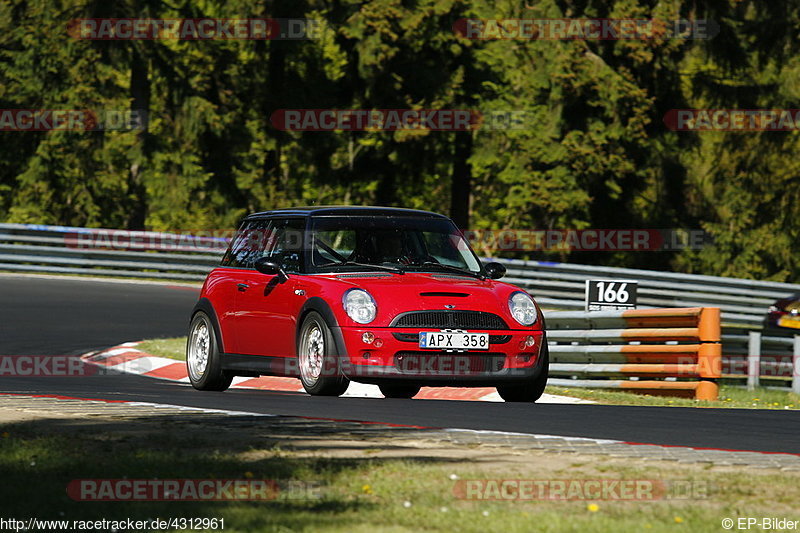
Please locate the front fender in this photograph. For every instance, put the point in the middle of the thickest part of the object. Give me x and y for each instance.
(204, 305)
(319, 305)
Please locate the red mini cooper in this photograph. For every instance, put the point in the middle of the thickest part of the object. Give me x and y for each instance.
(393, 297)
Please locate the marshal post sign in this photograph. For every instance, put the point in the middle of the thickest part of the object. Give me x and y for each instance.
(610, 295)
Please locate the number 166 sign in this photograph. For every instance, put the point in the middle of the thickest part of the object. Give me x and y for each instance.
(609, 295)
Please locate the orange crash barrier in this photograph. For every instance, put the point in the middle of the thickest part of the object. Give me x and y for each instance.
(675, 352)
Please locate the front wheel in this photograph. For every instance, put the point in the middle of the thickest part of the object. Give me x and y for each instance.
(203, 360)
(533, 389)
(399, 391)
(318, 359)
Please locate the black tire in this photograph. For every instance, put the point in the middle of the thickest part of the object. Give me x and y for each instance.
(399, 390)
(329, 381)
(208, 376)
(533, 389)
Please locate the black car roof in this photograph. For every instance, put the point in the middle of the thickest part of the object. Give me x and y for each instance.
(347, 210)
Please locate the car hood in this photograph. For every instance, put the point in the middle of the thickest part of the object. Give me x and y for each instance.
(395, 294)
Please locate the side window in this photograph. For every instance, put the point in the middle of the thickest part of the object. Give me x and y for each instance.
(248, 244)
(288, 242)
(234, 248)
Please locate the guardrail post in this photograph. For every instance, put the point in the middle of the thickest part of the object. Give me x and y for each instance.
(709, 354)
(796, 365)
(753, 360)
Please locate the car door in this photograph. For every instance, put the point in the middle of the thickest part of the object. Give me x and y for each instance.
(267, 305)
(224, 282)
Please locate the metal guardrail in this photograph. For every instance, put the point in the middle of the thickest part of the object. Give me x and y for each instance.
(658, 351)
(562, 286)
(558, 286)
(761, 359)
(73, 250)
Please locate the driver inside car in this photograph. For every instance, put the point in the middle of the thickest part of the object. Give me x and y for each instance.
(387, 247)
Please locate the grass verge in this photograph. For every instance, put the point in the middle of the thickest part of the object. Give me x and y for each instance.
(360, 490)
(729, 396)
(173, 348)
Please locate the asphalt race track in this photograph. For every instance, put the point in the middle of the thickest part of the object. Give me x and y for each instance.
(51, 316)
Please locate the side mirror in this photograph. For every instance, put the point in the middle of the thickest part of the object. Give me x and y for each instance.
(495, 270)
(270, 268)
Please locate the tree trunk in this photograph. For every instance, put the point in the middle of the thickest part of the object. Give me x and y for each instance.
(461, 183)
(140, 103)
(276, 97)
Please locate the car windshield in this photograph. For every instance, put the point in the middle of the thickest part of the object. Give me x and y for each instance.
(406, 244)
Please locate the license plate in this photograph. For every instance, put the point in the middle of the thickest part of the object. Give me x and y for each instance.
(789, 322)
(454, 341)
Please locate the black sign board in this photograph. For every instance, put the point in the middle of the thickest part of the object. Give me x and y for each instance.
(610, 295)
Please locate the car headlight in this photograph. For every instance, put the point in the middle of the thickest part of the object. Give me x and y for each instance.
(359, 305)
(522, 308)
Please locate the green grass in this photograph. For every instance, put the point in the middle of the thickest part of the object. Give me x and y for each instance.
(361, 493)
(174, 348)
(730, 396)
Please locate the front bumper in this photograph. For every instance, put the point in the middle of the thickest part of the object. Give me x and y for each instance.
(394, 354)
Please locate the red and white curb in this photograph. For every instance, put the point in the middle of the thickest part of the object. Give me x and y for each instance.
(127, 359)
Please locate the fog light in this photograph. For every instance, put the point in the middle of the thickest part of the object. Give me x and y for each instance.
(530, 341)
(367, 337)
(366, 355)
(378, 343)
(522, 345)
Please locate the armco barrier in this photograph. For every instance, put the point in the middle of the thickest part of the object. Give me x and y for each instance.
(654, 351)
(98, 252)
(762, 359)
(562, 286)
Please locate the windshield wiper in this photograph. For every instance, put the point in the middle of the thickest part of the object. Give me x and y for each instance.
(450, 268)
(368, 265)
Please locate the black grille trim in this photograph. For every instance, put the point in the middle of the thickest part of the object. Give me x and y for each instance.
(448, 320)
(446, 363)
(414, 337)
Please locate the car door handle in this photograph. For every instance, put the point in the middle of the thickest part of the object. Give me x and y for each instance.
(242, 286)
